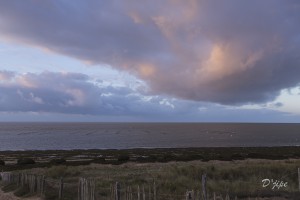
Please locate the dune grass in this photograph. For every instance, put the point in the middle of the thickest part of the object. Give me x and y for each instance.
(236, 178)
(234, 171)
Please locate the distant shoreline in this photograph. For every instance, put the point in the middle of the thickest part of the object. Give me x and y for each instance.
(44, 158)
(148, 148)
(157, 148)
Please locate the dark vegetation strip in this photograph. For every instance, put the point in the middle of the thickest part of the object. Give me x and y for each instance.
(48, 158)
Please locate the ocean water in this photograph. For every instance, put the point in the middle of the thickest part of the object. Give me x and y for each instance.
(45, 136)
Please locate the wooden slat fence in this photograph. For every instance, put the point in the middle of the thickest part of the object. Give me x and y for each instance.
(34, 182)
(87, 188)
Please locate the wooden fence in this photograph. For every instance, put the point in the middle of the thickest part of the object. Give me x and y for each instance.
(35, 183)
(87, 188)
(130, 193)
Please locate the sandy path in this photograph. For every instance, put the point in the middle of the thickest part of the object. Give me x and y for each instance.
(11, 196)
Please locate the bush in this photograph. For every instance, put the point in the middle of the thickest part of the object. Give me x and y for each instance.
(99, 160)
(123, 158)
(145, 159)
(25, 161)
(237, 156)
(62, 171)
(224, 158)
(189, 157)
(165, 158)
(58, 161)
(57, 171)
(2, 162)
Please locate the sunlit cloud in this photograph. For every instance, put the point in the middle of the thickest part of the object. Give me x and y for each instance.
(210, 51)
(153, 60)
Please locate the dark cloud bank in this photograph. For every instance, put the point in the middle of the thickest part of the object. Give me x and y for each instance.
(230, 52)
(76, 94)
(72, 93)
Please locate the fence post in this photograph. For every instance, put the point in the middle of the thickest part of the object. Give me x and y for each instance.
(197, 197)
(35, 187)
(43, 186)
(93, 189)
(149, 192)
(227, 197)
(84, 188)
(78, 189)
(144, 195)
(61, 187)
(38, 184)
(299, 177)
(154, 191)
(204, 186)
(19, 179)
(138, 192)
(111, 192)
(31, 183)
(189, 195)
(128, 193)
(117, 191)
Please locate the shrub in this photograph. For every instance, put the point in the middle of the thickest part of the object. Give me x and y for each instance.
(189, 157)
(166, 158)
(123, 158)
(224, 158)
(57, 171)
(150, 158)
(62, 171)
(58, 161)
(237, 156)
(254, 155)
(2, 162)
(25, 161)
(99, 160)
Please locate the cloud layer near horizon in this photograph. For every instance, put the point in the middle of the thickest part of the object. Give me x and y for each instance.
(67, 96)
(230, 52)
(72, 93)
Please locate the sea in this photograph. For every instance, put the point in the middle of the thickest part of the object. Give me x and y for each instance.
(68, 136)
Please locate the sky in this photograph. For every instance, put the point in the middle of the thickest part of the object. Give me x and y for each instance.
(150, 61)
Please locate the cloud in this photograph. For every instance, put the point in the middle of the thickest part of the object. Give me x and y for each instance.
(5, 75)
(76, 93)
(58, 96)
(231, 52)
